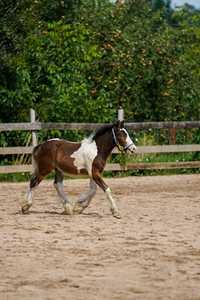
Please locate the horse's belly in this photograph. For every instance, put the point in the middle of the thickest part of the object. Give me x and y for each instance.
(67, 166)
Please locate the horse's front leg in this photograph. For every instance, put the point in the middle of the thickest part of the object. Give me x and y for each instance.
(85, 198)
(98, 179)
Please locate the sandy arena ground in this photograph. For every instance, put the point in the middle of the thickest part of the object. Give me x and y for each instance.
(152, 253)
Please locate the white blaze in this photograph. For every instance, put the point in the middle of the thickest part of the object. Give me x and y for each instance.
(128, 140)
(85, 155)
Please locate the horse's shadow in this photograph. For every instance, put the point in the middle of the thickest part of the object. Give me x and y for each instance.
(56, 213)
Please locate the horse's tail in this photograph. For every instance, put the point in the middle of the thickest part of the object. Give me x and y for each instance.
(36, 177)
(34, 159)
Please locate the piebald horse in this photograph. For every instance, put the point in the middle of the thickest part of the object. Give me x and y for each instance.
(87, 158)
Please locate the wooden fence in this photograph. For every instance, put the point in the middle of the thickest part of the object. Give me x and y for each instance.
(34, 126)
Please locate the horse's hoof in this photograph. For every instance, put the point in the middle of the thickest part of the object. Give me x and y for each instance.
(78, 208)
(115, 213)
(25, 208)
(68, 210)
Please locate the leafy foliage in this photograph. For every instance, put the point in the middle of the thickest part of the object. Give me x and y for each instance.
(78, 60)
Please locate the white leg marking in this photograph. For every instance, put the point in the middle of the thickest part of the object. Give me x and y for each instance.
(26, 204)
(29, 196)
(113, 205)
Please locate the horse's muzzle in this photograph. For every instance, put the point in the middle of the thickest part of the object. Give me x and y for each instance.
(130, 149)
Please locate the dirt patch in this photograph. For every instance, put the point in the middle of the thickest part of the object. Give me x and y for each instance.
(152, 253)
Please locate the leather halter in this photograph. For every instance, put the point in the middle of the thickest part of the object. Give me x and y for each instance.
(120, 147)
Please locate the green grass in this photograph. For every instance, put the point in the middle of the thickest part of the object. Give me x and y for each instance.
(151, 158)
(155, 158)
(15, 177)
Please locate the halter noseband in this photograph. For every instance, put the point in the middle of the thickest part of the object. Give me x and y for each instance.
(120, 147)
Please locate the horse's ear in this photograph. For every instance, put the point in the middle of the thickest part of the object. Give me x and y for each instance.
(117, 124)
(120, 124)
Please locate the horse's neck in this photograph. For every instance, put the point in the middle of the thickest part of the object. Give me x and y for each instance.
(105, 144)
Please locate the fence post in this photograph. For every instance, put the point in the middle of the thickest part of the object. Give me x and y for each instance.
(120, 117)
(120, 114)
(172, 136)
(33, 133)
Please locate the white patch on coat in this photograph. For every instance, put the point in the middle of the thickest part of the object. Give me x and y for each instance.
(85, 155)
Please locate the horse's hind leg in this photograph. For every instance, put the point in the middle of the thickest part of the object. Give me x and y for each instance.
(58, 184)
(85, 198)
(34, 181)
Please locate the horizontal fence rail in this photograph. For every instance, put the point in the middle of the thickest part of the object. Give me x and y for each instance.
(116, 167)
(35, 126)
(16, 169)
(15, 150)
(140, 149)
(154, 166)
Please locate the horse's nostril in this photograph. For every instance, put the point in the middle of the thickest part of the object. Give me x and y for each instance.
(133, 149)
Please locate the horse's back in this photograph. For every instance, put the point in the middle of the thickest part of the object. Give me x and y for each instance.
(50, 147)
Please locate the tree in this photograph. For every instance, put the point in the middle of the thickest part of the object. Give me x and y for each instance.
(77, 60)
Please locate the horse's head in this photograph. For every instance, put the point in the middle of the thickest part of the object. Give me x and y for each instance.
(122, 138)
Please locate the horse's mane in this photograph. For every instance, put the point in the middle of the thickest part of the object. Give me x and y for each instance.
(101, 131)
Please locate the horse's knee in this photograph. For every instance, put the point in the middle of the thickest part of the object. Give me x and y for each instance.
(99, 181)
(55, 184)
(35, 180)
(58, 185)
(58, 177)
